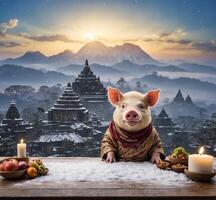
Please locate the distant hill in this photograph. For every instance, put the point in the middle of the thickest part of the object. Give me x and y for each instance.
(65, 57)
(30, 57)
(184, 106)
(13, 74)
(106, 73)
(193, 67)
(126, 69)
(198, 89)
(140, 70)
(95, 52)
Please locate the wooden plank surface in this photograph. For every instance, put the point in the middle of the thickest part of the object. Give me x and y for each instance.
(106, 190)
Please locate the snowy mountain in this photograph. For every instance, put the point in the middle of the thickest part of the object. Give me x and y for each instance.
(95, 52)
(65, 57)
(30, 57)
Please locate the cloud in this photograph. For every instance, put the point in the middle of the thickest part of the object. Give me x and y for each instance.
(5, 26)
(176, 38)
(205, 46)
(9, 44)
(47, 38)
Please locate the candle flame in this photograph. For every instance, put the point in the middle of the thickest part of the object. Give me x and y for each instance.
(21, 141)
(201, 150)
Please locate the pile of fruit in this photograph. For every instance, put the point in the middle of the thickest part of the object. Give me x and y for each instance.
(179, 166)
(33, 169)
(177, 161)
(179, 152)
(165, 165)
(36, 168)
(13, 165)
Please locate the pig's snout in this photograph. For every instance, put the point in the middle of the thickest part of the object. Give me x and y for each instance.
(132, 116)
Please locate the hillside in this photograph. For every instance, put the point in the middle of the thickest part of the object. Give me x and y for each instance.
(13, 74)
(201, 90)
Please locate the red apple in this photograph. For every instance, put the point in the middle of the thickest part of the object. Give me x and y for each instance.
(1, 167)
(11, 166)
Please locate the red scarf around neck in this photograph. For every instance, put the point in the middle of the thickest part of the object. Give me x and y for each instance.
(129, 139)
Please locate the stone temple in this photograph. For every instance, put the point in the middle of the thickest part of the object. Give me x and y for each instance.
(68, 109)
(12, 129)
(89, 87)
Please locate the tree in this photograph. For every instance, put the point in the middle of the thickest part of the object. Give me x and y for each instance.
(19, 91)
(121, 82)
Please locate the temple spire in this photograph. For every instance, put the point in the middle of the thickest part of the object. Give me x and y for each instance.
(87, 83)
(188, 99)
(12, 112)
(179, 97)
(86, 63)
(69, 84)
(163, 114)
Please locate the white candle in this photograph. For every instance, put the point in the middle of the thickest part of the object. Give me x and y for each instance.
(200, 163)
(21, 149)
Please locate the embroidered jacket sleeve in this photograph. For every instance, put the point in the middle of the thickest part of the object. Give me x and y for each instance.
(107, 145)
(156, 145)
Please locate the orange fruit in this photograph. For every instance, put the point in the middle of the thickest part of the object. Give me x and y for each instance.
(32, 172)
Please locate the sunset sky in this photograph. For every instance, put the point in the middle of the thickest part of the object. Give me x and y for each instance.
(166, 29)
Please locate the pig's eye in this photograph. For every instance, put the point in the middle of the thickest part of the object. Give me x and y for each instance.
(123, 106)
(141, 106)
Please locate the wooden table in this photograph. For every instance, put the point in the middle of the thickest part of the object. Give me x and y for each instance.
(106, 190)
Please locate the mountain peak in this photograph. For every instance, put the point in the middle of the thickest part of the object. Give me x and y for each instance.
(64, 53)
(127, 44)
(95, 52)
(92, 50)
(33, 53)
(93, 45)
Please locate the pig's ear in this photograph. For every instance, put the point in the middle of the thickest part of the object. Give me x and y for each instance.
(114, 96)
(152, 97)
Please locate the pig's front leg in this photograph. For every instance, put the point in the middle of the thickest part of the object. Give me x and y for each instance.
(156, 158)
(111, 157)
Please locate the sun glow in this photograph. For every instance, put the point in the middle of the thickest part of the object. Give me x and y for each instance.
(90, 36)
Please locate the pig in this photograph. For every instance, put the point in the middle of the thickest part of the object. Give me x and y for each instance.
(131, 136)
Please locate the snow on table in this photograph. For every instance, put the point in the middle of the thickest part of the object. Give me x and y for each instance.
(94, 170)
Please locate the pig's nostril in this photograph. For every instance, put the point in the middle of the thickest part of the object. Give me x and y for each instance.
(132, 116)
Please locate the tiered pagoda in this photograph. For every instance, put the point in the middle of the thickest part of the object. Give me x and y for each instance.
(163, 120)
(88, 86)
(68, 108)
(179, 97)
(188, 99)
(13, 121)
(93, 93)
(170, 132)
(12, 129)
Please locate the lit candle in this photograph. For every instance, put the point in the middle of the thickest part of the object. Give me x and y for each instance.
(21, 149)
(200, 163)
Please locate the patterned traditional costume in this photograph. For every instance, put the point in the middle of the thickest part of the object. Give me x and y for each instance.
(131, 146)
